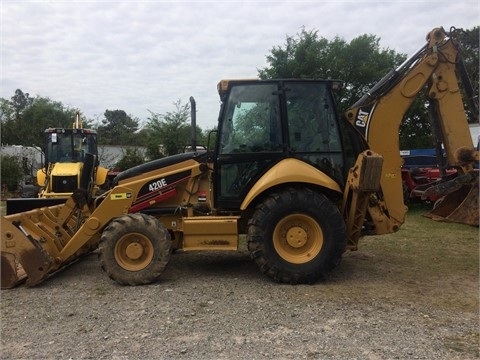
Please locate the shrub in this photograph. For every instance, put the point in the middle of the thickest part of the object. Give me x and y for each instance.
(132, 157)
(11, 171)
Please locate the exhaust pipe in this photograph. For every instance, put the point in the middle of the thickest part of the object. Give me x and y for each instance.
(193, 117)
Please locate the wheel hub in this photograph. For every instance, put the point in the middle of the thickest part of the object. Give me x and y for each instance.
(296, 237)
(134, 251)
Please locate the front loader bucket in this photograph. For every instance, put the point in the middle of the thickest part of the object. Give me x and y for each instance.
(460, 206)
(22, 256)
(37, 243)
(12, 272)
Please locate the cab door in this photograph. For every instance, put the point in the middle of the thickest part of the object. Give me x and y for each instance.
(250, 141)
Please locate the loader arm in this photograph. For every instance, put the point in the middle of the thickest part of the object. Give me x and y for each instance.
(379, 113)
(39, 242)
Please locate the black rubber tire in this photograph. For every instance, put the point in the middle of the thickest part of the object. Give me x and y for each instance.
(296, 236)
(135, 249)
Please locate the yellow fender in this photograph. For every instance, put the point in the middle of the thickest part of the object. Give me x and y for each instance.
(290, 171)
(101, 176)
(41, 177)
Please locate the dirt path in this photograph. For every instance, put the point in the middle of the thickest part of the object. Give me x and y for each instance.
(219, 306)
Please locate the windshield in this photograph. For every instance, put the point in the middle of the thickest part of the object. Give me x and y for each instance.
(70, 147)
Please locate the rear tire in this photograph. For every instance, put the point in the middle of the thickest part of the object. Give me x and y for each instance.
(296, 236)
(135, 249)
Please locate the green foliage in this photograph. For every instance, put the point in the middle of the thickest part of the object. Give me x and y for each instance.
(209, 138)
(153, 149)
(170, 133)
(118, 128)
(360, 63)
(415, 130)
(132, 157)
(469, 41)
(24, 119)
(11, 171)
(6, 111)
(20, 101)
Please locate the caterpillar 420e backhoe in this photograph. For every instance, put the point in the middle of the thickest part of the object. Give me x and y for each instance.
(303, 183)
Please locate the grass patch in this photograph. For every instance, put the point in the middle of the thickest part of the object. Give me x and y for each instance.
(100, 291)
(434, 247)
(425, 261)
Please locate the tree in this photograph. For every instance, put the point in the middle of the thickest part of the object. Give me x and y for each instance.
(208, 138)
(170, 133)
(416, 131)
(132, 157)
(40, 115)
(7, 120)
(360, 63)
(7, 111)
(118, 128)
(20, 101)
(469, 41)
(24, 119)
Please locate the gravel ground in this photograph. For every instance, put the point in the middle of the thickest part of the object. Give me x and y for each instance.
(219, 306)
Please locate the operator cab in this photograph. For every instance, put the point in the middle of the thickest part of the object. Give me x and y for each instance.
(264, 121)
(69, 145)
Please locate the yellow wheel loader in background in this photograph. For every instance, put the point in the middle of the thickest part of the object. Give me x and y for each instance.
(301, 182)
(65, 150)
(64, 158)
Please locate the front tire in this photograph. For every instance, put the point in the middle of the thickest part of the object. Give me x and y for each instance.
(135, 249)
(296, 236)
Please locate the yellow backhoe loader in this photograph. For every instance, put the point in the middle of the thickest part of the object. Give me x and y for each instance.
(65, 150)
(300, 181)
(64, 158)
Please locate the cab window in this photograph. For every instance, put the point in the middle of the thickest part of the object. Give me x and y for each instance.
(252, 121)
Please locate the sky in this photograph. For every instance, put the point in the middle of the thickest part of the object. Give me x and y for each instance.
(143, 56)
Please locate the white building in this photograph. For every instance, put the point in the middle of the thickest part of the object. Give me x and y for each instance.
(32, 157)
(109, 155)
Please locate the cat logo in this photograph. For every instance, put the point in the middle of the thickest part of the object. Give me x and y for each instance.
(362, 118)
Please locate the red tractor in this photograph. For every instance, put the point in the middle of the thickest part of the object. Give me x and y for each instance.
(420, 171)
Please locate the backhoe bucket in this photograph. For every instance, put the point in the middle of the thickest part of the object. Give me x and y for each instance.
(460, 206)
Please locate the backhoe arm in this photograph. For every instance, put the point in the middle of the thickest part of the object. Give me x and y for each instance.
(379, 113)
